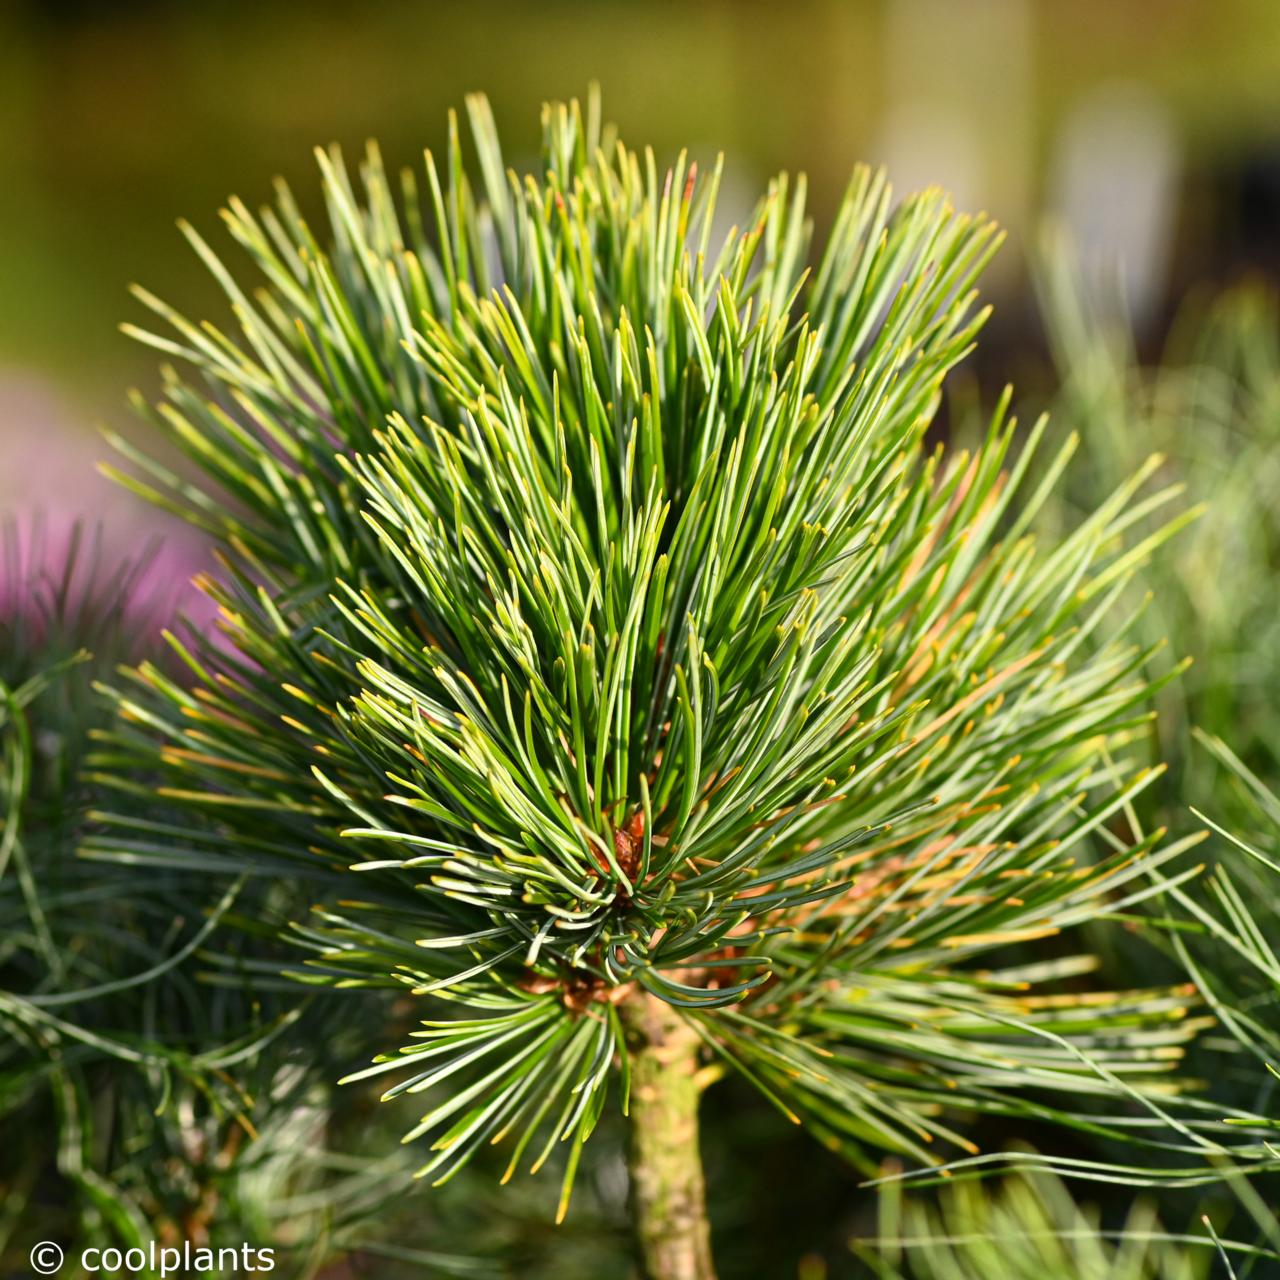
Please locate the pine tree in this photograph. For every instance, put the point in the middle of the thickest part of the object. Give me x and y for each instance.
(609, 664)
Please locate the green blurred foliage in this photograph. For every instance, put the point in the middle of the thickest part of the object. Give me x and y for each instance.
(117, 119)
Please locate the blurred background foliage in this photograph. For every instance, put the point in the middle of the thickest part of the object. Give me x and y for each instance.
(1149, 136)
(1151, 129)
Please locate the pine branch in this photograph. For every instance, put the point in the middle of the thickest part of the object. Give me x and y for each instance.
(156, 1081)
(601, 629)
(1029, 1227)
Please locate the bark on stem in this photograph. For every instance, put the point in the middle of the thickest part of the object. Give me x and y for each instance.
(669, 1204)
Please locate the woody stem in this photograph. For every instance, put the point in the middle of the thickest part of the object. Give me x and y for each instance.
(669, 1208)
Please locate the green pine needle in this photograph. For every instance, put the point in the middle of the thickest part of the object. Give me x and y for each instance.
(600, 623)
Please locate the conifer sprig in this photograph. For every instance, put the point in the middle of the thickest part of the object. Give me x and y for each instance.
(604, 630)
(1234, 952)
(157, 1079)
(1028, 1226)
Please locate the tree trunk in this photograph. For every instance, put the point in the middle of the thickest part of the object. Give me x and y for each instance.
(669, 1205)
